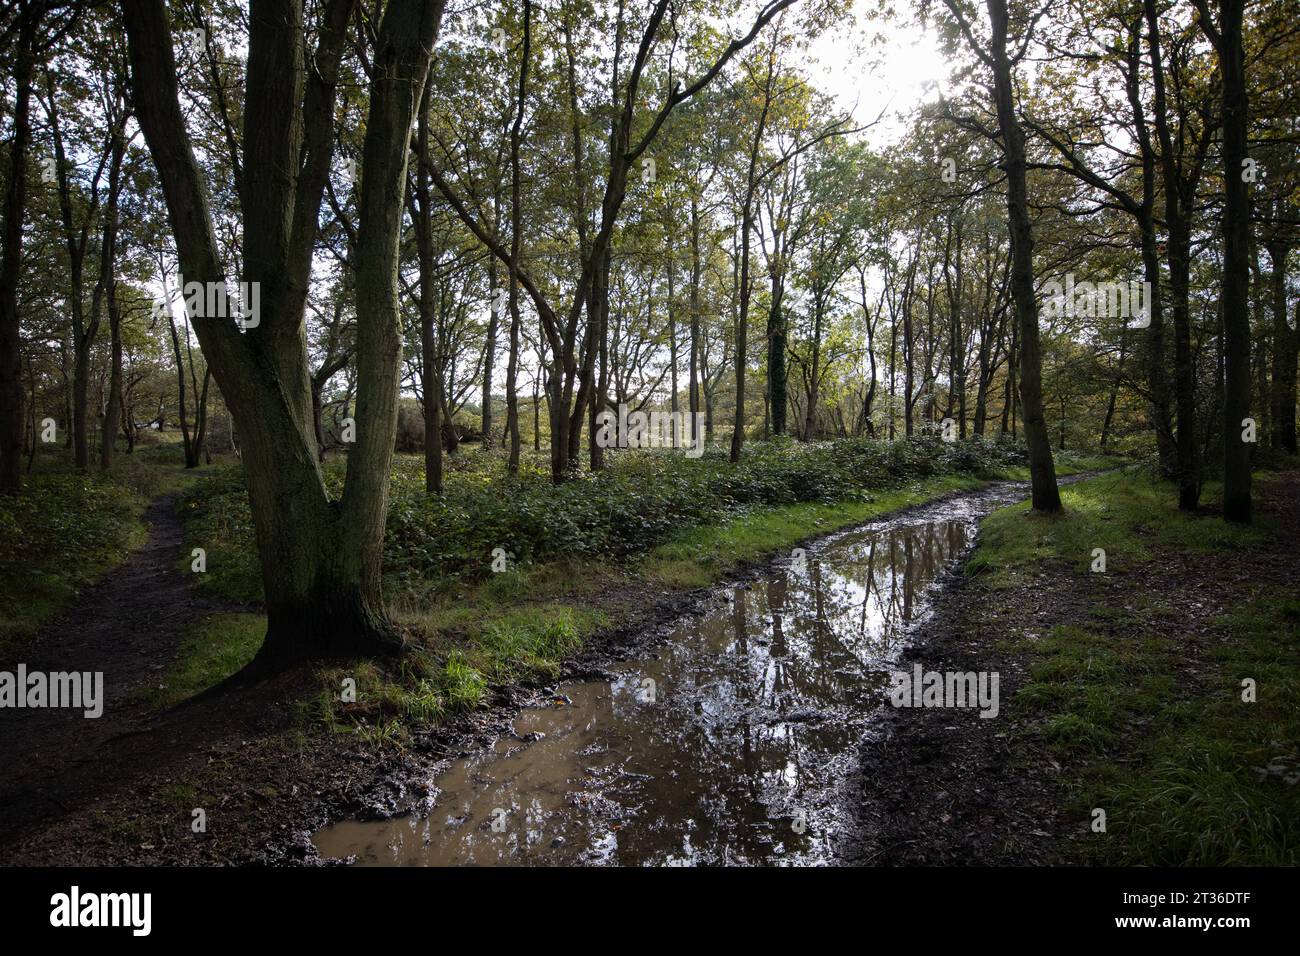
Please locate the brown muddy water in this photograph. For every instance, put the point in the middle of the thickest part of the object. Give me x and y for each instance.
(734, 743)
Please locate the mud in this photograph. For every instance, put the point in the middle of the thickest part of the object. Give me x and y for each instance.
(730, 743)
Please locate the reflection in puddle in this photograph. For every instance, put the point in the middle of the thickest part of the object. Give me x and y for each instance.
(730, 746)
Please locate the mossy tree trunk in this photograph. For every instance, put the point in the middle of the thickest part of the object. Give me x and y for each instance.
(320, 558)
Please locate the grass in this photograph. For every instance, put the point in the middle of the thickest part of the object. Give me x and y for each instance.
(1150, 720)
(520, 624)
(700, 556)
(1128, 516)
(450, 672)
(216, 647)
(57, 539)
(575, 551)
(437, 544)
(1222, 784)
(1067, 463)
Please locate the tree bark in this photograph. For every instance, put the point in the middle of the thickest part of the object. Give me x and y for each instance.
(1236, 266)
(1282, 396)
(1179, 189)
(11, 363)
(430, 359)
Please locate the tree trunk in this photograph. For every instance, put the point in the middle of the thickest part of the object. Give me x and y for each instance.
(740, 270)
(814, 378)
(1179, 201)
(742, 324)
(1046, 496)
(696, 269)
(113, 407)
(516, 240)
(430, 360)
(778, 384)
(107, 286)
(1236, 267)
(11, 362)
(1282, 396)
(494, 319)
(320, 559)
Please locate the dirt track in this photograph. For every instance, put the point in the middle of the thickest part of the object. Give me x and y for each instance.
(127, 627)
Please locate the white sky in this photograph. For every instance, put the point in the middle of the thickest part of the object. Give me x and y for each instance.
(891, 73)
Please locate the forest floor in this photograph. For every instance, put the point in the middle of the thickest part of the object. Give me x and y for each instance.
(256, 759)
(1121, 691)
(128, 627)
(934, 789)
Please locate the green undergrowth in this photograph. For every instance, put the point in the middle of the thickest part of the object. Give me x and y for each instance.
(450, 671)
(577, 554)
(1127, 516)
(438, 544)
(473, 630)
(700, 556)
(1067, 463)
(59, 537)
(1149, 719)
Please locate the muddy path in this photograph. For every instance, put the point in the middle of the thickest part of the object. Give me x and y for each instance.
(128, 628)
(729, 736)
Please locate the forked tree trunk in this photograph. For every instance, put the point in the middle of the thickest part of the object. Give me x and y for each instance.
(320, 559)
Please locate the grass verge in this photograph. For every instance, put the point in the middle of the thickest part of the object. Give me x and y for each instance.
(698, 557)
(1129, 517)
(519, 625)
(216, 647)
(1143, 699)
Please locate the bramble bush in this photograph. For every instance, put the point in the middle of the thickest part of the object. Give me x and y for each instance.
(639, 501)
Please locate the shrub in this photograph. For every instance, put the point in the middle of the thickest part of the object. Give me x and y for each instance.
(638, 501)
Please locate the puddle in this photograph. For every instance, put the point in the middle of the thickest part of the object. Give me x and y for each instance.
(732, 745)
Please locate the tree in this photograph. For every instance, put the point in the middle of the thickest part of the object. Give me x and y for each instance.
(320, 558)
(36, 34)
(1046, 496)
(1226, 38)
(632, 129)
